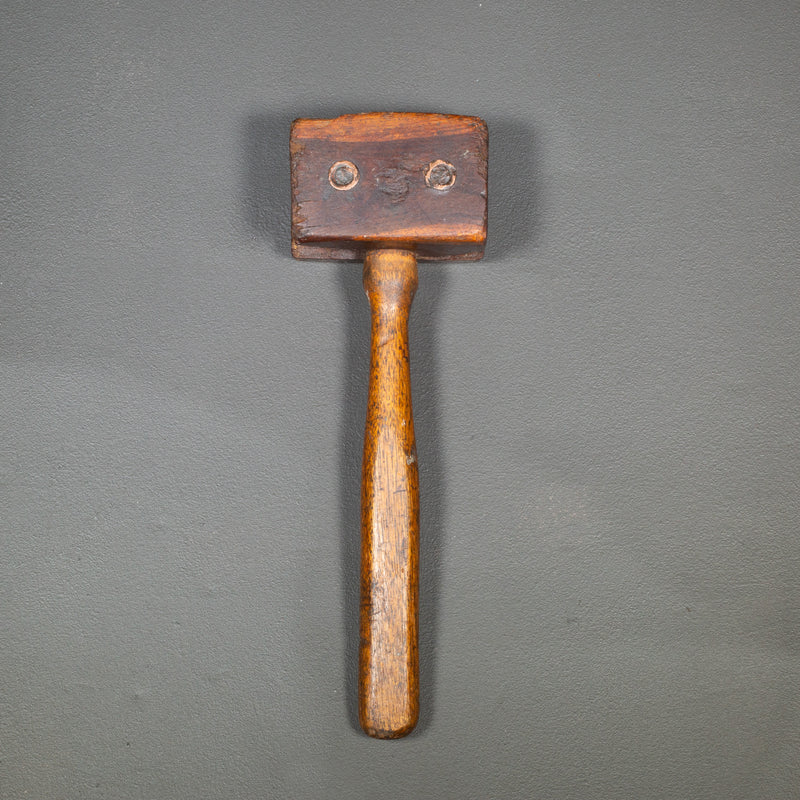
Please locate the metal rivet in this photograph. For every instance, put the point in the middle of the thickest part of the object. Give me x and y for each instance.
(343, 175)
(440, 175)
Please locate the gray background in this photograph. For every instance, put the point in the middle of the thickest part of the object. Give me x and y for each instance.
(606, 406)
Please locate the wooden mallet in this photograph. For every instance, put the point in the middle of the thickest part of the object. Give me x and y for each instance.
(390, 189)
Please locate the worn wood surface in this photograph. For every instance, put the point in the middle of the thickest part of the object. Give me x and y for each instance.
(392, 188)
(392, 204)
(388, 660)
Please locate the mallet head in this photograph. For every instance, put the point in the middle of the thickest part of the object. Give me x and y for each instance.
(366, 181)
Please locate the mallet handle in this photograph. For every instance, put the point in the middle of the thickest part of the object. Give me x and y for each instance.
(388, 681)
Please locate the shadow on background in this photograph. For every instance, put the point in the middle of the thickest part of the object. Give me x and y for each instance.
(426, 375)
(351, 441)
(266, 195)
(514, 202)
(515, 189)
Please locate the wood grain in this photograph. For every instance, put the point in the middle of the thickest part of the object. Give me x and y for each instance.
(384, 126)
(391, 205)
(388, 656)
(392, 215)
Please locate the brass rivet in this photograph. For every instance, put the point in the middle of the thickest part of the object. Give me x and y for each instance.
(440, 175)
(343, 175)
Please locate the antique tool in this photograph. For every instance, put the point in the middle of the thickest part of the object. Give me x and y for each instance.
(392, 189)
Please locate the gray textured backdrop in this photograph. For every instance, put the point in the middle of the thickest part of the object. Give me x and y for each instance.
(607, 406)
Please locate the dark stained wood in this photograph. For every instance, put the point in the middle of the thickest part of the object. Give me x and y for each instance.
(388, 661)
(392, 205)
(393, 189)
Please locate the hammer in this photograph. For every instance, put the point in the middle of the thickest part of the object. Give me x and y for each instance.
(391, 189)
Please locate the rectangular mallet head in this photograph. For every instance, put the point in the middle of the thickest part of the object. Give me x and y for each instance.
(389, 180)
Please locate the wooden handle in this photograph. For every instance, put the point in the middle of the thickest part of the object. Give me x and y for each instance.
(388, 681)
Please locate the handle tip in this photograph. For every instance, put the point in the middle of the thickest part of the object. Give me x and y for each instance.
(394, 728)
